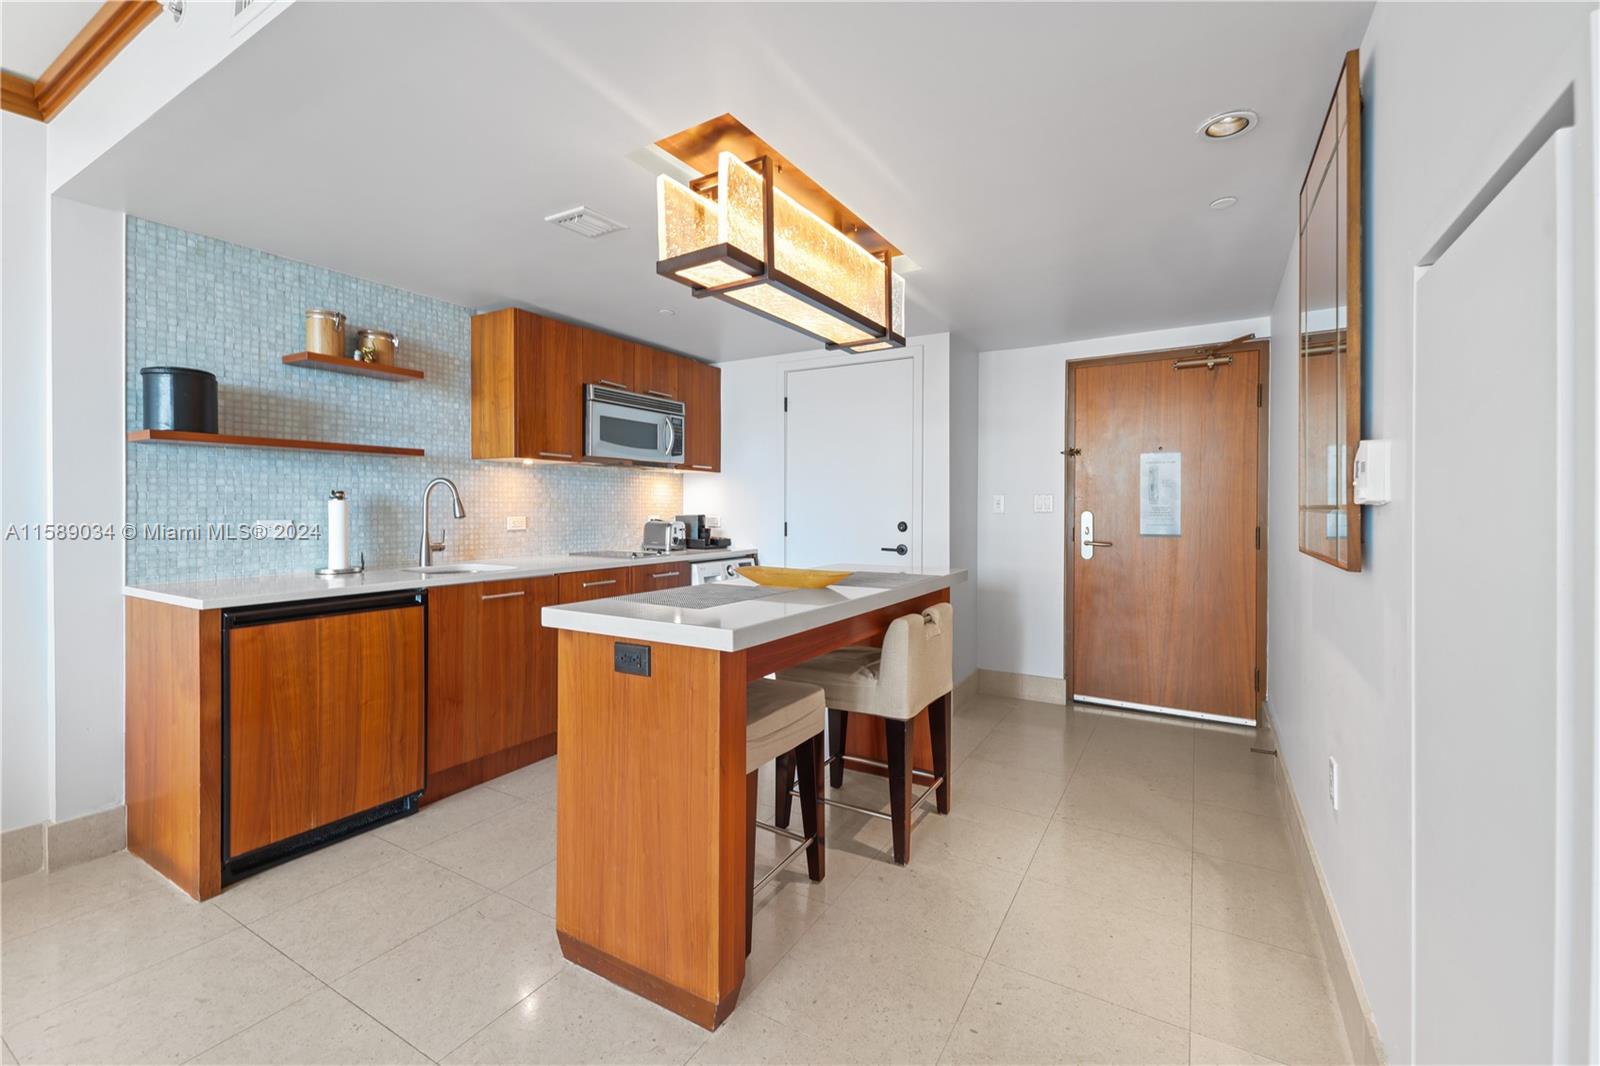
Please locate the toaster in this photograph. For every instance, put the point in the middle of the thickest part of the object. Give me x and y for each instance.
(659, 535)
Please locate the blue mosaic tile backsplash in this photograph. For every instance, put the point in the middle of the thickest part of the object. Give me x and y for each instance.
(198, 302)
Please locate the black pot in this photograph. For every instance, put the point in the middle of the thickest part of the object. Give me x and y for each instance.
(179, 397)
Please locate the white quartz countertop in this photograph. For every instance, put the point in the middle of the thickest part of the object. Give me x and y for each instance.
(737, 626)
(286, 588)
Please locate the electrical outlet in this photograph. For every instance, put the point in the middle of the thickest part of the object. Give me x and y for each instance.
(714, 521)
(516, 523)
(999, 505)
(1333, 782)
(631, 659)
(1044, 504)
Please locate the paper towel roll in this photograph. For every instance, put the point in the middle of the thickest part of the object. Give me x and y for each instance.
(338, 531)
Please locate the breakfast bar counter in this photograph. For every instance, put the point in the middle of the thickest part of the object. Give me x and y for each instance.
(650, 872)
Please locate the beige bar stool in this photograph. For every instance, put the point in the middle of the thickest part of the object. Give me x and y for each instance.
(783, 719)
(910, 672)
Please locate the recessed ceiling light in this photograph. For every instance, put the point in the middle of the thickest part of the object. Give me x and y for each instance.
(665, 311)
(1228, 124)
(1222, 203)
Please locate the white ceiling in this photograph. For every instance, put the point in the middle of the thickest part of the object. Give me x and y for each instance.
(33, 33)
(1039, 161)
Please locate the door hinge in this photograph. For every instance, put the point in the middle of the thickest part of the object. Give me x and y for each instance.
(1258, 538)
(786, 529)
(786, 403)
(1258, 679)
(1074, 452)
(1258, 395)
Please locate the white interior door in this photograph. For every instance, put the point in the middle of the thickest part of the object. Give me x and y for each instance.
(850, 464)
(1493, 569)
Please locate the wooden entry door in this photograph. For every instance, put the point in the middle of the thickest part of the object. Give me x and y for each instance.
(1167, 612)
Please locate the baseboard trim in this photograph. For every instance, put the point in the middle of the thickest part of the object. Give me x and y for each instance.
(57, 845)
(966, 690)
(21, 851)
(1023, 686)
(1355, 1011)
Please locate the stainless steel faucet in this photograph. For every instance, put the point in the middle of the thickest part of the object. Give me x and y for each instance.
(429, 545)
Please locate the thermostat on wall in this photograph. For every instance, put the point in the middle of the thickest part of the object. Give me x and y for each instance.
(1372, 472)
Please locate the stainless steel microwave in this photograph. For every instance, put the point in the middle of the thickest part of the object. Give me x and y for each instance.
(626, 425)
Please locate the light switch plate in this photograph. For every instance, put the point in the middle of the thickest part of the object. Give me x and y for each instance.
(1044, 504)
(516, 523)
(999, 504)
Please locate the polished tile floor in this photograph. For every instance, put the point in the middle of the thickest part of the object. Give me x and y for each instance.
(1109, 889)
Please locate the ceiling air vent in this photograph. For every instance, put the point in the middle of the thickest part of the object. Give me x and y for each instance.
(584, 222)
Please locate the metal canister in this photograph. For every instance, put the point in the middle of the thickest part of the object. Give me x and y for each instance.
(376, 346)
(325, 332)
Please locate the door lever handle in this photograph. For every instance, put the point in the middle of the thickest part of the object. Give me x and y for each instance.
(898, 549)
(1098, 543)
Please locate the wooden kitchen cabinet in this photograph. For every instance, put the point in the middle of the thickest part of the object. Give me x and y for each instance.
(324, 721)
(528, 374)
(491, 678)
(702, 388)
(658, 373)
(527, 386)
(594, 584)
(657, 576)
(609, 361)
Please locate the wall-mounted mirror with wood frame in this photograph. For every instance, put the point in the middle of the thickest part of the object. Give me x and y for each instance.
(1330, 330)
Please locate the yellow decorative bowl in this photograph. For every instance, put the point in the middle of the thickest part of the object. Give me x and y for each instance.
(790, 577)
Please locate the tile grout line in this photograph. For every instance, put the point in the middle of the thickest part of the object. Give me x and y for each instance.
(956, 1022)
(1087, 995)
(139, 970)
(238, 1032)
(1194, 772)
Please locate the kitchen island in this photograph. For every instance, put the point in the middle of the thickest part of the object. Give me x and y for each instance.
(651, 801)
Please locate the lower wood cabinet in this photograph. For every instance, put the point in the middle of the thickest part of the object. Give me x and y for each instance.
(657, 576)
(595, 584)
(491, 677)
(324, 720)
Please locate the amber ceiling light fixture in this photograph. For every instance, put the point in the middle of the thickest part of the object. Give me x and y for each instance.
(754, 230)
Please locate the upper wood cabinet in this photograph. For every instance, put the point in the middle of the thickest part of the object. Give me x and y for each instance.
(491, 669)
(527, 386)
(658, 373)
(702, 387)
(528, 374)
(609, 361)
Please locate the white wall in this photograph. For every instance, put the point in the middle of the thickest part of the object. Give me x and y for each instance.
(87, 310)
(1439, 121)
(964, 498)
(162, 61)
(1021, 435)
(24, 364)
(748, 494)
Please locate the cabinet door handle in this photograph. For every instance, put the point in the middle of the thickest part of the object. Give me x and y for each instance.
(613, 384)
(701, 466)
(503, 595)
(596, 584)
(658, 392)
(666, 573)
(556, 455)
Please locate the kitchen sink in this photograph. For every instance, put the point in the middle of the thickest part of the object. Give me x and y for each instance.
(455, 568)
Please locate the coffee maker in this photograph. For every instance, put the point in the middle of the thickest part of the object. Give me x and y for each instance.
(696, 534)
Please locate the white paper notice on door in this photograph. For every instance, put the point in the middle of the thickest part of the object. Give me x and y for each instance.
(1161, 494)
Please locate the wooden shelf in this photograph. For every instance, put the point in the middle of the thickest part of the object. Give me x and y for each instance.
(339, 364)
(227, 440)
